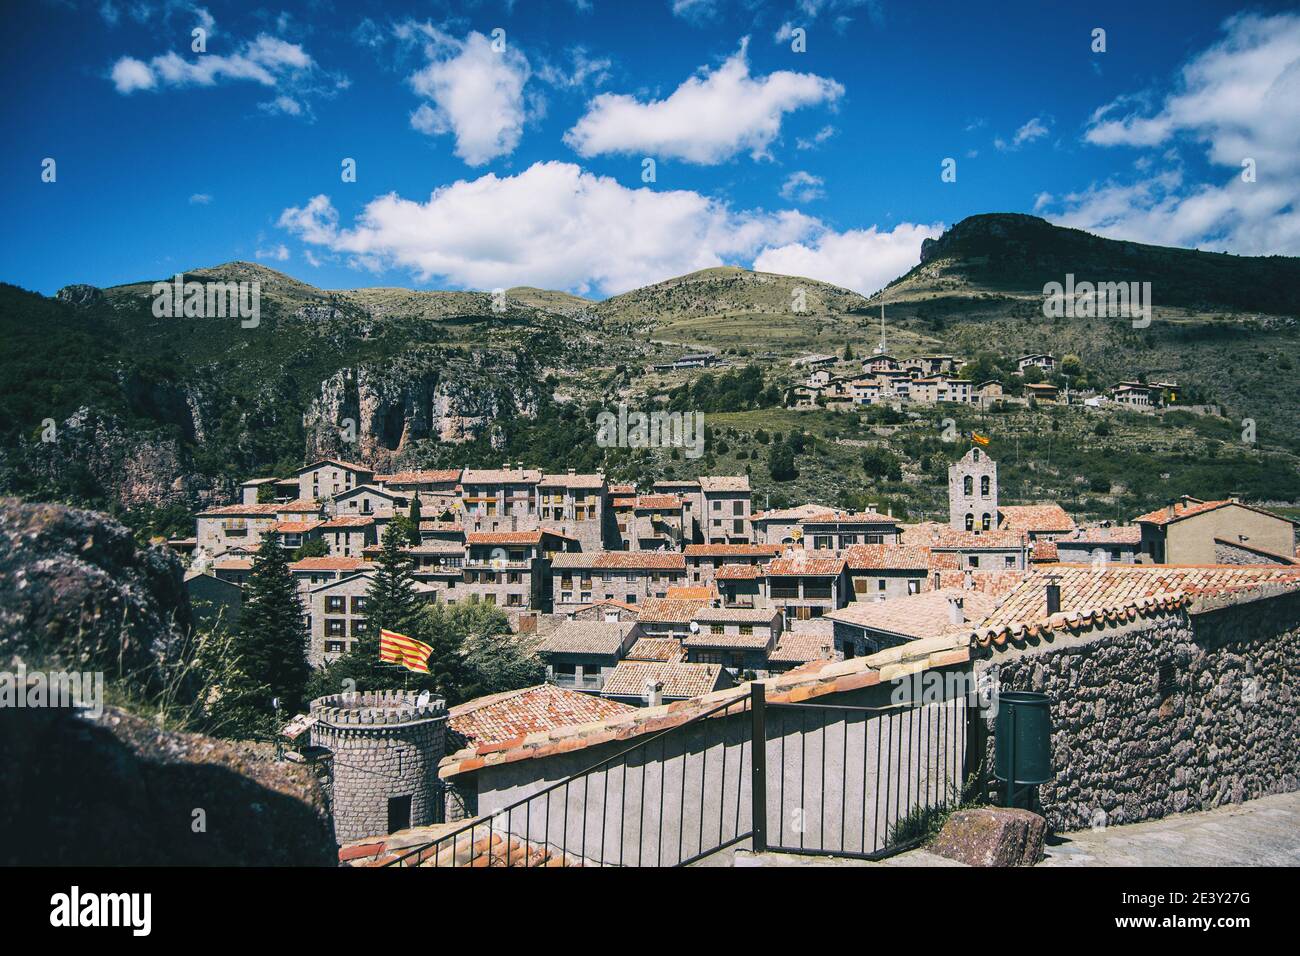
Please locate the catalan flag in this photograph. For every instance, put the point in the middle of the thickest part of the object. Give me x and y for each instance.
(979, 439)
(397, 648)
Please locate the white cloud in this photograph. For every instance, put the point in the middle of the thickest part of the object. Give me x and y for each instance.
(710, 118)
(277, 253)
(553, 225)
(812, 142)
(696, 11)
(265, 60)
(1236, 100)
(282, 104)
(473, 91)
(802, 186)
(863, 260)
(1033, 129)
(200, 199)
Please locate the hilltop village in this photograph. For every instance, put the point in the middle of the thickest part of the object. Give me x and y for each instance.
(649, 595)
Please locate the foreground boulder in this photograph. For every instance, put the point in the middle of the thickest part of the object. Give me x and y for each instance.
(992, 836)
(115, 790)
(77, 593)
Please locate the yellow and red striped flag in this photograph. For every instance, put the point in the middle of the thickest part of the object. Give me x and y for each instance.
(397, 648)
(979, 439)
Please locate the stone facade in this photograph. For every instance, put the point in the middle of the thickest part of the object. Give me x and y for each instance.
(1168, 713)
(385, 747)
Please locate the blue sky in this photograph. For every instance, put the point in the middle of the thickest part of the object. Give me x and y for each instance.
(483, 164)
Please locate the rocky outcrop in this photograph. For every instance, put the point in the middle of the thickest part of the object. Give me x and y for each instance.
(80, 295)
(78, 594)
(374, 413)
(116, 790)
(992, 836)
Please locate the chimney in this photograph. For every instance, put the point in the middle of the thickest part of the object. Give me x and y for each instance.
(1170, 510)
(654, 693)
(514, 522)
(956, 610)
(573, 471)
(968, 580)
(1053, 596)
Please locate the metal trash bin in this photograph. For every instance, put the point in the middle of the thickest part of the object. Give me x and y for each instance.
(1022, 744)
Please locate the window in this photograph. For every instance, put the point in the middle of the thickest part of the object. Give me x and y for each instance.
(717, 506)
(984, 486)
(336, 627)
(738, 526)
(334, 647)
(358, 627)
(738, 508)
(972, 561)
(747, 629)
(968, 485)
(913, 587)
(399, 813)
(880, 584)
(860, 585)
(335, 605)
(359, 605)
(716, 629)
(985, 522)
(970, 521)
(1010, 561)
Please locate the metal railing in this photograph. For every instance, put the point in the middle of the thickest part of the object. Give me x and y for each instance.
(626, 810)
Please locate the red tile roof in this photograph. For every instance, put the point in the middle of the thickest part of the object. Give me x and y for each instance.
(801, 564)
(295, 527)
(513, 714)
(656, 649)
(268, 510)
(680, 680)
(328, 563)
(436, 476)
(732, 550)
(1188, 506)
(1115, 534)
(800, 647)
(738, 572)
(1044, 552)
(668, 611)
(693, 592)
(887, 557)
(620, 560)
(1044, 517)
(916, 616)
(658, 502)
(347, 521)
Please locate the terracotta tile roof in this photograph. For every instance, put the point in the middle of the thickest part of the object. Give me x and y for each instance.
(849, 517)
(1115, 534)
(829, 677)
(1188, 506)
(514, 714)
(733, 550)
(295, 527)
(797, 513)
(257, 481)
(1046, 517)
(917, 615)
(607, 602)
(328, 563)
(333, 461)
(656, 649)
(621, 560)
(501, 476)
(687, 483)
(658, 502)
(268, 509)
(668, 611)
(680, 680)
(803, 565)
(572, 481)
(887, 557)
(587, 637)
(995, 583)
(622, 489)
(939, 536)
(504, 537)
(723, 483)
(433, 476)
(736, 615)
(1085, 590)
(347, 521)
(430, 547)
(799, 647)
(693, 592)
(233, 564)
(1044, 552)
(622, 502)
(738, 572)
(432, 525)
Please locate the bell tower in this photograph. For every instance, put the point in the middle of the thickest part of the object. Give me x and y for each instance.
(973, 492)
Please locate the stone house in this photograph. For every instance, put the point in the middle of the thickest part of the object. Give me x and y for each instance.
(804, 587)
(294, 534)
(348, 536)
(1044, 522)
(1042, 392)
(1109, 544)
(837, 530)
(510, 569)
(233, 527)
(737, 638)
(692, 505)
(330, 477)
(879, 572)
(368, 500)
(575, 504)
(703, 560)
(214, 599)
(311, 573)
(500, 499)
(336, 616)
(783, 525)
(629, 576)
(727, 509)
(668, 617)
(249, 490)
(1192, 531)
(579, 655)
(1041, 360)
(437, 489)
(740, 585)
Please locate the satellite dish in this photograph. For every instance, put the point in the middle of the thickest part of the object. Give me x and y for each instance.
(422, 700)
(695, 627)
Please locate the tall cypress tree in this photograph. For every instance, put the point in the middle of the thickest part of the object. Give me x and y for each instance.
(271, 643)
(415, 519)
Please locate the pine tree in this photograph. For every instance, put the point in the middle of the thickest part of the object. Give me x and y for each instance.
(269, 649)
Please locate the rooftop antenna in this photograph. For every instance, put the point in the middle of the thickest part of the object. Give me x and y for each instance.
(880, 349)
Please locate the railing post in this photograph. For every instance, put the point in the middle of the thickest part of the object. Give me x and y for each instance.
(758, 767)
